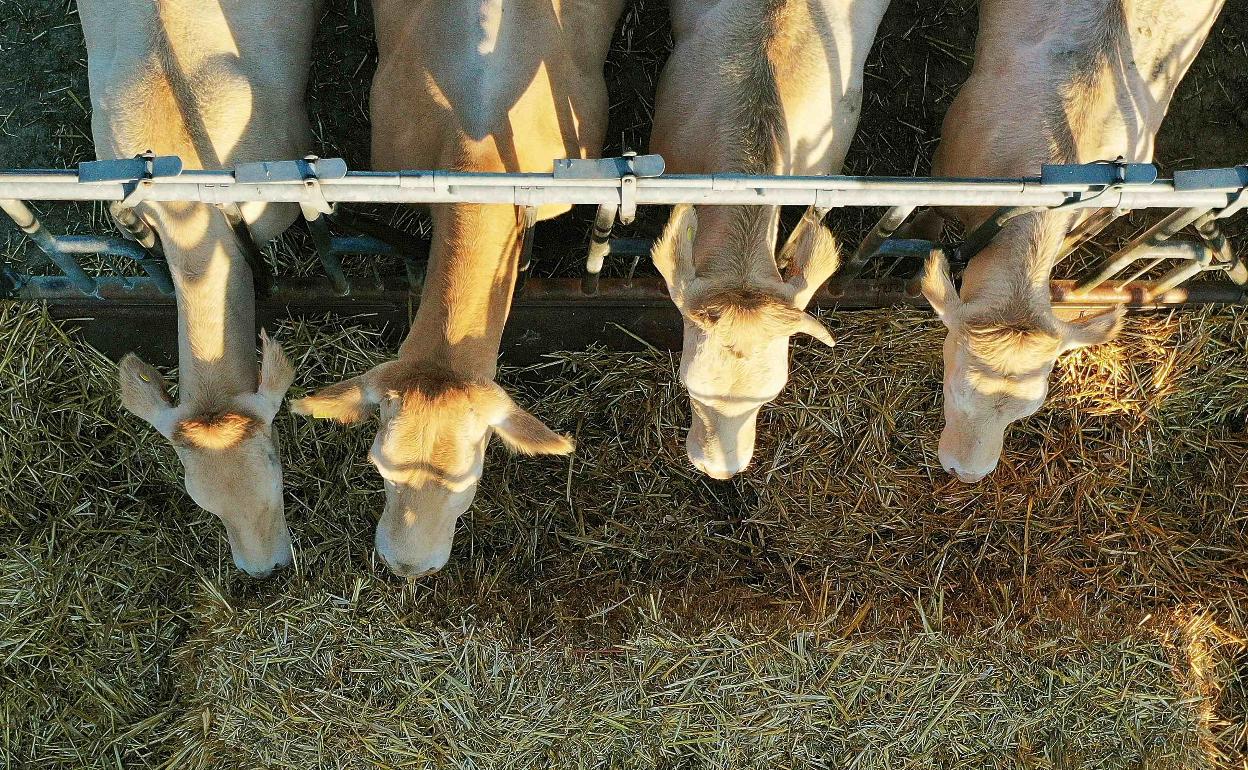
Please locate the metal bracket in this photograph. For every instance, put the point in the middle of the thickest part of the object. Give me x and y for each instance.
(309, 171)
(310, 167)
(1115, 173)
(609, 168)
(1227, 179)
(1231, 180)
(627, 169)
(628, 199)
(136, 169)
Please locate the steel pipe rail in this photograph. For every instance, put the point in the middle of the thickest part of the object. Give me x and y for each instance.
(1082, 186)
(618, 186)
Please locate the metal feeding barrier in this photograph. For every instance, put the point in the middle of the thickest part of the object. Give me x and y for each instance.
(1199, 199)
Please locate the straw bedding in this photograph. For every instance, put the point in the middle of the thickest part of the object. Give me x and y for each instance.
(843, 604)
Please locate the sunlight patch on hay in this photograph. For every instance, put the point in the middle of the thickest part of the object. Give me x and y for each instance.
(299, 686)
(132, 628)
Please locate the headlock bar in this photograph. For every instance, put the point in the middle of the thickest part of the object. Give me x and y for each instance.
(1100, 174)
(619, 185)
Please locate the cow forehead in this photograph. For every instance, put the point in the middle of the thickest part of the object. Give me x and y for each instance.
(434, 434)
(249, 474)
(720, 374)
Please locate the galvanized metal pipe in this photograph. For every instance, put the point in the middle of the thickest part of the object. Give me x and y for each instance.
(1154, 236)
(1187, 251)
(154, 266)
(29, 224)
(538, 189)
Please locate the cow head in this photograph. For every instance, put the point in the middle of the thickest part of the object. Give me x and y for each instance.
(736, 334)
(228, 451)
(429, 450)
(998, 356)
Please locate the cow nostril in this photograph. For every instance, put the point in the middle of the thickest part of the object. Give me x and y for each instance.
(411, 572)
(407, 570)
(715, 472)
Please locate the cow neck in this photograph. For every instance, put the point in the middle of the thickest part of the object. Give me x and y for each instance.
(216, 306)
(468, 289)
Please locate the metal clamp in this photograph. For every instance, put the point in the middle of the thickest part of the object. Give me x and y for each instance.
(142, 167)
(135, 173)
(630, 164)
(312, 182)
(1106, 173)
(310, 167)
(627, 169)
(628, 199)
(309, 172)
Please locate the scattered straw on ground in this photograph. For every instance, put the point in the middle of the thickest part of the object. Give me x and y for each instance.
(843, 604)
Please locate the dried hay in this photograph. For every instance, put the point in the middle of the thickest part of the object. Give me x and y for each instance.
(843, 604)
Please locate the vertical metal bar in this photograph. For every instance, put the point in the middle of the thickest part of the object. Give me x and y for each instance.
(25, 219)
(319, 229)
(152, 256)
(883, 230)
(1157, 234)
(260, 275)
(599, 246)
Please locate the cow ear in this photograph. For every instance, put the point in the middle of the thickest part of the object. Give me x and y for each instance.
(938, 286)
(524, 433)
(673, 253)
(812, 326)
(1094, 330)
(276, 375)
(346, 402)
(811, 256)
(145, 394)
